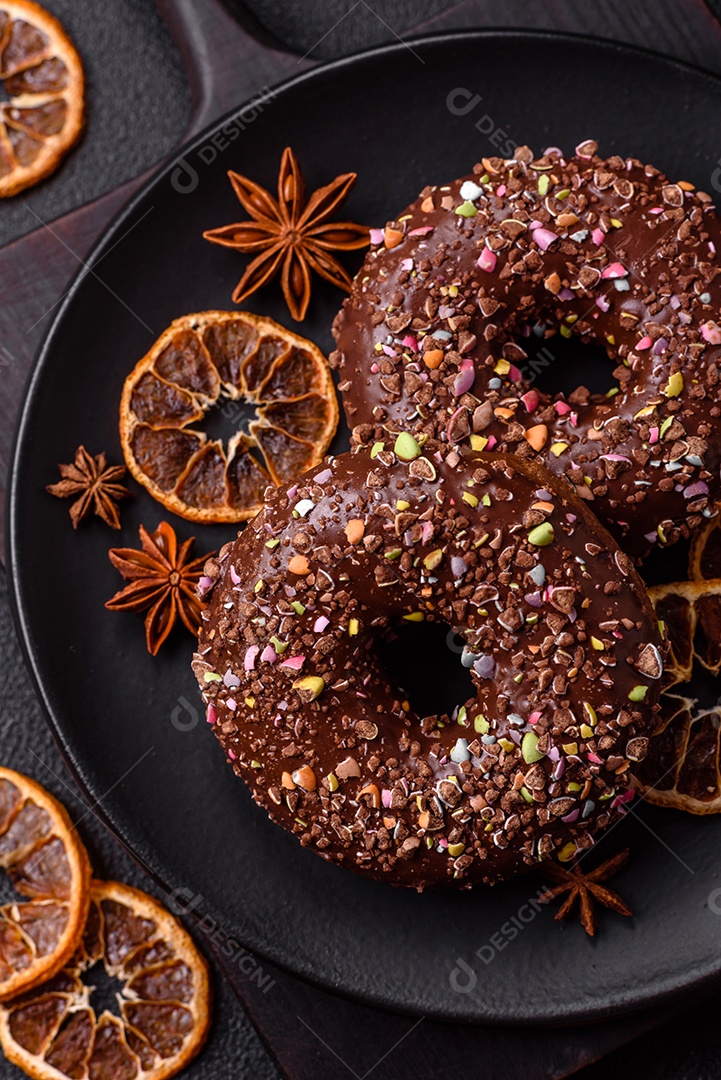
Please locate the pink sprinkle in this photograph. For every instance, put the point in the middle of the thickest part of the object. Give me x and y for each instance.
(323, 477)
(569, 818)
(320, 624)
(422, 230)
(711, 247)
(574, 419)
(616, 457)
(409, 342)
(465, 378)
(445, 311)
(295, 663)
(232, 756)
(595, 759)
(230, 680)
(377, 236)
(615, 270)
(492, 440)
(712, 333)
(562, 408)
(598, 236)
(675, 302)
(206, 583)
(644, 343)
(694, 490)
(232, 704)
(407, 264)
(427, 532)
(488, 260)
(514, 374)
(565, 294)
(656, 210)
(211, 715)
(234, 575)
(250, 657)
(386, 796)
(684, 317)
(653, 435)
(554, 754)
(660, 346)
(292, 492)
(501, 190)
(544, 238)
(530, 399)
(534, 717)
(536, 224)
(374, 368)
(388, 350)
(268, 655)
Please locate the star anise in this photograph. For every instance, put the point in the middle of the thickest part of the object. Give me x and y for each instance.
(95, 485)
(291, 235)
(585, 886)
(163, 582)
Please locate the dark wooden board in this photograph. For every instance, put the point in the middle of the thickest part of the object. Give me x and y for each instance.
(308, 1029)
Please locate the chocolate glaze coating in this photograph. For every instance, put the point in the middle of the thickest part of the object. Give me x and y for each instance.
(561, 639)
(608, 250)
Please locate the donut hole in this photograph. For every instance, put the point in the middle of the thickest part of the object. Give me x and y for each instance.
(424, 660)
(560, 365)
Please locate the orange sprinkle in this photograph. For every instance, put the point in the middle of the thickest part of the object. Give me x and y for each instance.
(299, 565)
(372, 790)
(424, 819)
(287, 781)
(685, 185)
(547, 507)
(433, 358)
(504, 413)
(354, 530)
(392, 237)
(305, 778)
(427, 204)
(537, 436)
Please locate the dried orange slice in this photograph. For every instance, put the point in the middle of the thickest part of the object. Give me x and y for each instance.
(161, 1006)
(48, 869)
(704, 560)
(219, 356)
(43, 105)
(681, 768)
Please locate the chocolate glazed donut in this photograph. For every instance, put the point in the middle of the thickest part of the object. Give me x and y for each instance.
(560, 638)
(432, 336)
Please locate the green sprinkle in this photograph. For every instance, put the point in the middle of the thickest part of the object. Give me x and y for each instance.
(393, 554)
(544, 182)
(272, 543)
(481, 725)
(210, 676)
(454, 850)
(542, 535)
(466, 209)
(258, 585)
(462, 716)
(665, 426)
(486, 500)
(298, 608)
(376, 449)
(529, 748)
(406, 447)
(563, 194)
(255, 764)
(573, 786)
(638, 693)
(565, 330)
(278, 645)
(526, 794)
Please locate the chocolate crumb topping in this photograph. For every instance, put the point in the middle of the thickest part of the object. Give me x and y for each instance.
(566, 670)
(433, 338)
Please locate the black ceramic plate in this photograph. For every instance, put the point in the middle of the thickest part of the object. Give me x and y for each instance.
(401, 117)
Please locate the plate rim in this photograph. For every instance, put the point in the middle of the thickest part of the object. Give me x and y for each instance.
(624, 1001)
